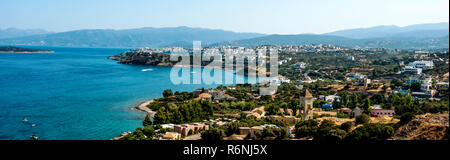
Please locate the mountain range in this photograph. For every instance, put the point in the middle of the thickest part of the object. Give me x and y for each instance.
(421, 36)
(14, 32)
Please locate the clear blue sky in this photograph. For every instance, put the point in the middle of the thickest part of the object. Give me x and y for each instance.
(262, 16)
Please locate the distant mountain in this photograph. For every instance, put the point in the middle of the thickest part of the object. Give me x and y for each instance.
(300, 39)
(14, 32)
(431, 30)
(142, 37)
(422, 36)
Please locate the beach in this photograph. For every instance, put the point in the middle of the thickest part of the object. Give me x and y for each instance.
(143, 107)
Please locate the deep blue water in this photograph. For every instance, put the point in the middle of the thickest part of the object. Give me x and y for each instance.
(76, 93)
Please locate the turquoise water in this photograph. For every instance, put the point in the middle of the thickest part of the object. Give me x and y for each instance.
(76, 93)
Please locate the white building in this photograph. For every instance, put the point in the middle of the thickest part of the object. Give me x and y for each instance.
(412, 70)
(424, 81)
(424, 65)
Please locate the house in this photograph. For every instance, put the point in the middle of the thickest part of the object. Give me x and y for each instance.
(250, 130)
(382, 112)
(347, 111)
(424, 65)
(364, 82)
(356, 76)
(331, 98)
(171, 136)
(425, 81)
(184, 129)
(358, 111)
(411, 70)
(205, 96)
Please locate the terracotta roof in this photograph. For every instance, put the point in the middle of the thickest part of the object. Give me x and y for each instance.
(205, 95)
(307, 94)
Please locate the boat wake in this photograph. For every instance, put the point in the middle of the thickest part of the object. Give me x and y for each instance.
(145, 70)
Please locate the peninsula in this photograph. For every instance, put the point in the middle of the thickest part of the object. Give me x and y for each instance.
(10, 49)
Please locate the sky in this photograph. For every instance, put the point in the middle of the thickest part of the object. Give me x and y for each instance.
(259, 16)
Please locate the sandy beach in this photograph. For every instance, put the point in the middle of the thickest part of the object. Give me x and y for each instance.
(143, 107)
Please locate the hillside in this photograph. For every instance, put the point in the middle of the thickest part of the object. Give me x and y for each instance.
(142, 37)
(14, 32)
(303, 39)
(425, 127)
(432, 30)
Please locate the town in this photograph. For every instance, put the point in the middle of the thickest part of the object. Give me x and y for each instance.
(325, 92)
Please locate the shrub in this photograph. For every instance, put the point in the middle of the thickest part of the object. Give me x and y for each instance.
(406, 117)
(362, 119)
(371, 132)
(346, 126)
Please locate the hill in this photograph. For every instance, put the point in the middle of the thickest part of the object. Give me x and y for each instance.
(14, 32)
(386, 42)
(431, 30)
(142, 37)
(424, 127)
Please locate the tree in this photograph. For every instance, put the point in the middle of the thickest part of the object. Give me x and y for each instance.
(346, 126)
(362, 119)
(149, 131)
(306, 128)
(147, 121)
(319, 103)
(167, 93)
(415, 86)
(354, 100)
(366, 105)
(371, 132)
(396, 83)
(272, 109)
(406, 117)
(213, 134)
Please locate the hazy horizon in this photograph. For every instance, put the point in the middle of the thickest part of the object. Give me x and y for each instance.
(265, 16)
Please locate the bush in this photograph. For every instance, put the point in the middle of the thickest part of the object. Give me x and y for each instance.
(362, 119)
(213, 134)
(406, 117)
(167, 93)
(371, 132)
(149, 131)
(346, 126)
(342, 115)
(306, 128)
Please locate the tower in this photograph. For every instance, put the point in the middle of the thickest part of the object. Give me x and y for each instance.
(306, 101)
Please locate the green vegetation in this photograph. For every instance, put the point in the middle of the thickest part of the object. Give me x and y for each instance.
(193, 111)
(371, 132)
(362, 119)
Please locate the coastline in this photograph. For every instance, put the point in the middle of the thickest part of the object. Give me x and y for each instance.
(143, 107)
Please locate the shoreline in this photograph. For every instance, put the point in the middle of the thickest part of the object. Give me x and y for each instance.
(142, 106)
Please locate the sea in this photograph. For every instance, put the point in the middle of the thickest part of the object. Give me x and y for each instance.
(78, 94)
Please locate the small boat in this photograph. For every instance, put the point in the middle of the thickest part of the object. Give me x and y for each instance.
(25, 120)
(33, 125)
(193, 72)
(34, 137)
